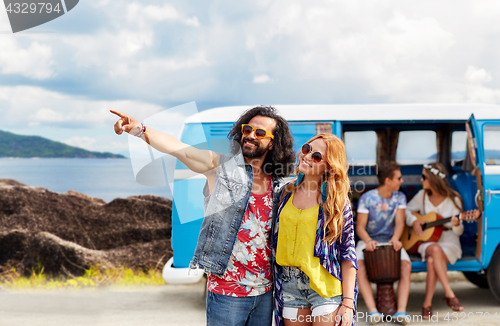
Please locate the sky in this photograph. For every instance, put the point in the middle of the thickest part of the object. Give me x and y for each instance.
(59, 80)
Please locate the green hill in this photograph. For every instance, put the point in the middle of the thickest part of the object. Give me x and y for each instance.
(12, 145)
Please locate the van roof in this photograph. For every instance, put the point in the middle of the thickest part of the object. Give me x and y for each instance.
(359, 112)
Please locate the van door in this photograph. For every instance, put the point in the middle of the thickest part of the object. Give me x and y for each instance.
(484, 151)
(472, 158)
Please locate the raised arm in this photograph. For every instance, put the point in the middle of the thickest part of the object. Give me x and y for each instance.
(200, 161)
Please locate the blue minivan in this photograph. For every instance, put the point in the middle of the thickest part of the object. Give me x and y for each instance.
(464, 137)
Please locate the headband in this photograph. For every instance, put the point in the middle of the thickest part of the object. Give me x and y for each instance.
(435, 171)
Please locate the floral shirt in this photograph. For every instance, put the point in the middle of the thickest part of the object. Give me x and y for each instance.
(249, 270)
(381, 213)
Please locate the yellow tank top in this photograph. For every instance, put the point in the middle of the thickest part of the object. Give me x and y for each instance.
(296, 237)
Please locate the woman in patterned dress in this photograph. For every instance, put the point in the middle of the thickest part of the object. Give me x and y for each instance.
(438, 196)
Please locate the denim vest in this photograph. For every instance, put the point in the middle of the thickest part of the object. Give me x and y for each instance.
(224, 211)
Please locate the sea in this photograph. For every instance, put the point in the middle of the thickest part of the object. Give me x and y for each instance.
(101, 178)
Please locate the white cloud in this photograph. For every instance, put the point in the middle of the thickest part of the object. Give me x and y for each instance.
(82, 142)
(139, 13)
(34, 61)
(326, 51)
(75, 120)
(477, 75)
(24, 105)
(261, 79)
(481, 94)
(387, 50)
(193, 21)
(174, 64)
(99, 144)
(391, 50)
(47, 115)
(486, 9)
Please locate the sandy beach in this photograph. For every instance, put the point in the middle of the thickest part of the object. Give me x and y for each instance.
(184, 305)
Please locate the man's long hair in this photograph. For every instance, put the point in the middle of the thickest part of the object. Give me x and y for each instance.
(280, 160)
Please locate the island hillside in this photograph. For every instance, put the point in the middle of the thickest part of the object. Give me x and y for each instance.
(12, 145)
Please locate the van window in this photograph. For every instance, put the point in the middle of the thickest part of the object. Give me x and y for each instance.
(458, 146)
(416, 147)
(361, 147)
(492, 145)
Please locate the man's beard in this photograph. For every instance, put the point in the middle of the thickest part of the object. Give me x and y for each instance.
(258, 151)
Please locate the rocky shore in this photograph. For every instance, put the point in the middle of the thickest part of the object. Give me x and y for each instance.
(64, 234)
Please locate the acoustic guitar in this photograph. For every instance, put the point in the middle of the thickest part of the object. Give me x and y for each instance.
(432, 227)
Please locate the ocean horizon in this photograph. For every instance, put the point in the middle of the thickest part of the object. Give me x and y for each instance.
(106, 178)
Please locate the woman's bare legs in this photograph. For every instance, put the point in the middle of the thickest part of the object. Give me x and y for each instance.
(365, 287)
(404, 286)
(430, 282)
(439, 262)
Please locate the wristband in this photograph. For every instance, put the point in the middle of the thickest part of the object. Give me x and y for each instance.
(141, 132)
(145, 134)
(347, 306)
(211, 159)
(348, 298)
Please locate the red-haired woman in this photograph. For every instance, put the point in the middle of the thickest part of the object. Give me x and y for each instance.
(313, 240)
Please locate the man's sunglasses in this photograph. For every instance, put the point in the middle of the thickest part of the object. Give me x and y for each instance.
(259, 132)
(316, 156)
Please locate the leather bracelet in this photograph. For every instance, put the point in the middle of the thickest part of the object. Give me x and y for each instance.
(211, 159)
(145, 134)
(348, 298)
(141, 132)
(352, 308)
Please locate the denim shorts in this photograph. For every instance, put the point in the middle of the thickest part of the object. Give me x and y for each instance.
(297, 293)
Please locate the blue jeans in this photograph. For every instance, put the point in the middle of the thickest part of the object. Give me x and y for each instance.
(223, 310)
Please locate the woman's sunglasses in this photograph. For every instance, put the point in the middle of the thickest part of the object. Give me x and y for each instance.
(259, 132)
(316, 156)
(424, 177)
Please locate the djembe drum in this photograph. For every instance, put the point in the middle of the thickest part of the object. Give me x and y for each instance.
(383, 266)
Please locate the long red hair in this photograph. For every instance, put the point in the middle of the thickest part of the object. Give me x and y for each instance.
(338, 186)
